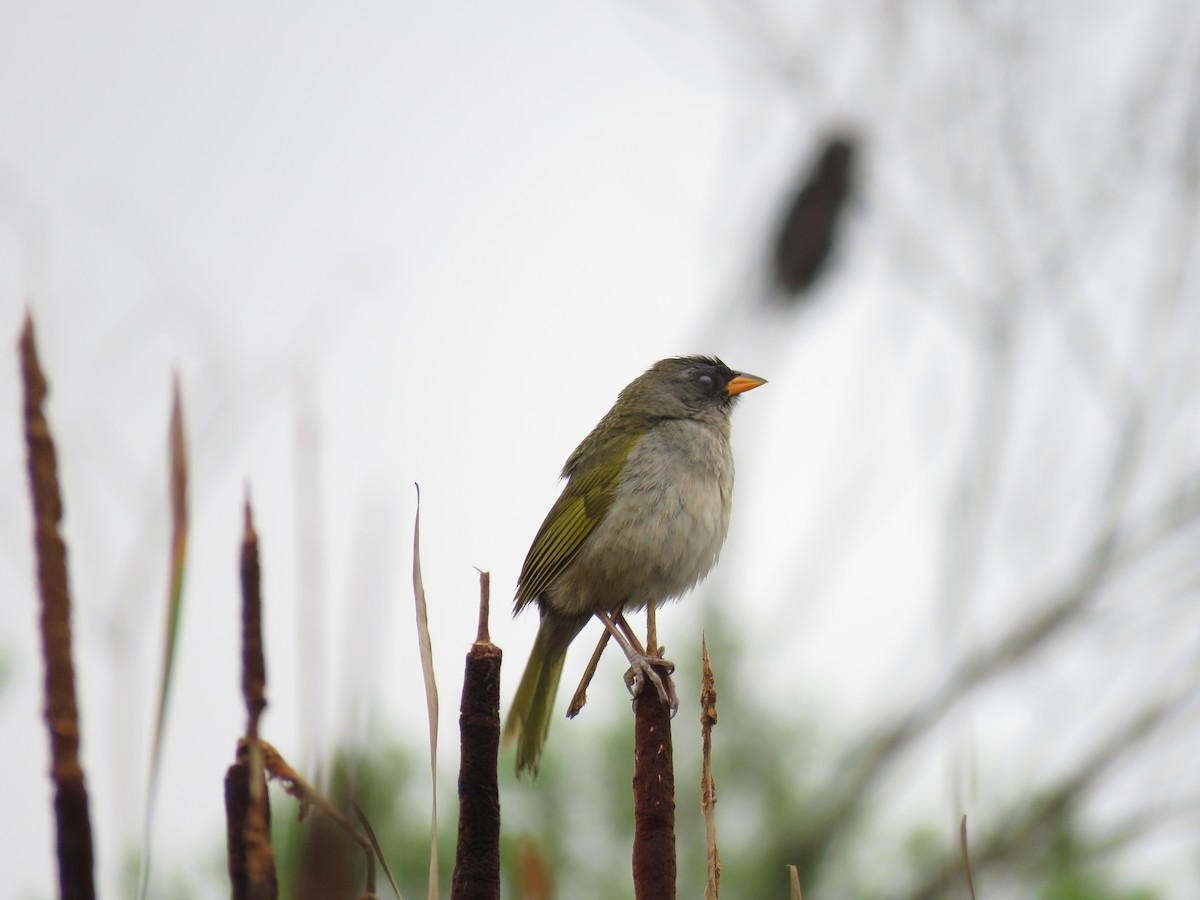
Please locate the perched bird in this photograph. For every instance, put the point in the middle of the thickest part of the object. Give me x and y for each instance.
(806, 232)
(641, 519)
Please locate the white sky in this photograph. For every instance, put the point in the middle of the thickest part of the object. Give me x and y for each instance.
(445, 236)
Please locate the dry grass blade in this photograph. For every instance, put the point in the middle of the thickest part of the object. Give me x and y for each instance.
(966, 856)
(708, 785)
(178, 476)
(370, 832)
(794, 877)
(431, 695)
(76, 865)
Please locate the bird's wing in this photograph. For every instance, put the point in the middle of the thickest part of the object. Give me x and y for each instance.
(582, 506)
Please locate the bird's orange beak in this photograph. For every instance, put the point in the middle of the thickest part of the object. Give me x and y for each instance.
(743, 383)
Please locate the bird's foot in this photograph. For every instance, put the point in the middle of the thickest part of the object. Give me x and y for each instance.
(645, 669)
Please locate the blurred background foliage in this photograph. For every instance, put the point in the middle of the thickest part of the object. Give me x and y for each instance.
(571, 831)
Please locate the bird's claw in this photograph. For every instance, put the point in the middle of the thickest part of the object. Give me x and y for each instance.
(644, 670)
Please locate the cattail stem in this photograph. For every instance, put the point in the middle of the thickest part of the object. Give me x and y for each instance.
(76, 865)
(477, 859)
(653, 798)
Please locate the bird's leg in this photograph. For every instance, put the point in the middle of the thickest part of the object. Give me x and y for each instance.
(579, 699)
(653, 656)
(641, 666)
(641, 669)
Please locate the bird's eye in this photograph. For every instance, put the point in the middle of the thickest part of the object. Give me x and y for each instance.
(706, 380)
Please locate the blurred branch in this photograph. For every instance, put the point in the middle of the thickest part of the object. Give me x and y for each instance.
(1109, 553)
(1036, 822)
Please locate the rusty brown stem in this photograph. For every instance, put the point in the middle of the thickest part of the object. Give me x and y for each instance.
(653, 798)
(477, 856)
(254, 668)
(76, 866)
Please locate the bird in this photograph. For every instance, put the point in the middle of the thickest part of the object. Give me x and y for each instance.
(641, 520)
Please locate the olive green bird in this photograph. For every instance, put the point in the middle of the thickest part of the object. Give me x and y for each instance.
(641, 519)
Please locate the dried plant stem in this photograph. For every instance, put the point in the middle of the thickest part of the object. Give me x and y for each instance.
(251, 858)
(237, 805)
(261, 879)
(308, 797)
(254, 667)
(431, 692)
(654, 862)
(76, 876)
(178, 478)
(482, 635)
(794, 879)
(477, 858)
(708, 785)
(966, 855)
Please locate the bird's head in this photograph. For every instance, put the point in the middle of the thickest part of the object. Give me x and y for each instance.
(686, 387)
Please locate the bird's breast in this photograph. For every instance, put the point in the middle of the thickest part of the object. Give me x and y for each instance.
(667, 523)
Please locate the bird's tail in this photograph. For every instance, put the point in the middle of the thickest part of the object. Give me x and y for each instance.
(529, 718)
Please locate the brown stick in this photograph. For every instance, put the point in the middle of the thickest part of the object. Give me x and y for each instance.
(76, 875)
(477, 858)
(277, 768)
(708, 785)
(252, 849)
(237, 815)
(653, 798)
(237, 801)
(254, 667)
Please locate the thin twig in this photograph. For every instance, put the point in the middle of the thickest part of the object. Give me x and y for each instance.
(308, 797)
(370, 832)
(966, 855)
(708, 785)
(482, 635)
